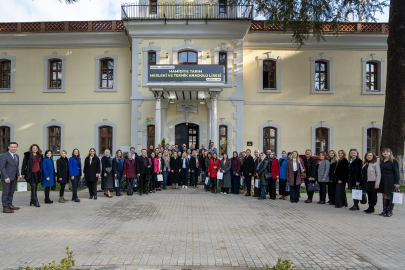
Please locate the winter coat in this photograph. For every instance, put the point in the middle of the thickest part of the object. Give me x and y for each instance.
(27, 165)
(90, 170)
(261, 171)
(355, 174)
(282, 167)
(129, 170)
(62, 166)
(225, 168)
(193, 164)
(342, 171)
(273, 168)
(290, 173)
(389, 176)
(248, 166)
(74, 169)
(236, 168)
(175, 166)
(323, 171)
(142, 164)
(213, 171)
(156, 168)
(117, 165)
(332, 170)
(310, 167)
(48, 171)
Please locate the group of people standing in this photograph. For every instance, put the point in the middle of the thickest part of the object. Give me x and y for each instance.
(154, 169)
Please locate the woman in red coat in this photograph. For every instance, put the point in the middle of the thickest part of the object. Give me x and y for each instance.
(129, 172)
(212, 172)
(274, 170)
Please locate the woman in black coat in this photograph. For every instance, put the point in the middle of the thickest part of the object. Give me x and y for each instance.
(333, 160)
(175, 168)
(355, 179)
(91, 172)
(107, 173)
(62, 167)
(389, 180)
(261, 170)
(31, 171)
(341, 177)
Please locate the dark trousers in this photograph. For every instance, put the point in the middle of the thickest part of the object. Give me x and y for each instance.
(332, 192)
(309, 193)
(8, 193)
(152, 182)
(224, 189)
(119, 177)
(295, 190)
(322, 191)
(282, 187)
(213, 183)
(47, 190)
(272, 188)
(340, 198)
(184, 176)
(142, 183)
(263, 191)
(235, 181)
(75, 182)
(193, 178)
(130, 184)
(248, 182)
(92, 188)
(62, 189)
(372, 198)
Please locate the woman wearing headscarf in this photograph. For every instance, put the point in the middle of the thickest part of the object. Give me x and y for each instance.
(225, 168)
(129, 172)
(389, 180)
(235, 170)
(118, 165)
(282, 165)
(107, 173)
(272, 168)
(341, 178)
(261, 170)
(212, 172)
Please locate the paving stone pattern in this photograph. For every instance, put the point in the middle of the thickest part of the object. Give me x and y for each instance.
(194, 229)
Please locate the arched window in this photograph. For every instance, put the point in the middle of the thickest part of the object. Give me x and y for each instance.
(55, 74)
(151, 58)
(321, 75)
(105, 138)
(223, 135)
(188, 58)
(371, 76)
(107, 73)
(223, 60)
(321, 140)
(151, 135)
(5, 74)
(269, 139)
(4, 139)
(269, 74)
(54, 139)
(373, 140)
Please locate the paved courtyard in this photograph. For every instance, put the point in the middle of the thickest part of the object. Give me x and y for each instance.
(193, 229)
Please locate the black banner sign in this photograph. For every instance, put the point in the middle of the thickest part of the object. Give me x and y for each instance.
(186, 73)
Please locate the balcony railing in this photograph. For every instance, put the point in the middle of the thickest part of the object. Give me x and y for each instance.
(186, 11)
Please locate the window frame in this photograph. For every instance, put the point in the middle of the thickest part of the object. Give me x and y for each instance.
(187, 63)
(222, 5)
(48, 75)
(221, 151)
(375, 73)
(320, 72)
(149, 136)
(371, 139)
(97, 77)
(269, 138)
(107, 70)
(153, 5)
(149, 62)
(8, 74)
(4, 57)
(6, 137)
(100, 137)
(55, 137)
(278, 60)
(381, 73)
(57, 71)
(268, 74)
(322, 138)
(225, 63)
(329, 74)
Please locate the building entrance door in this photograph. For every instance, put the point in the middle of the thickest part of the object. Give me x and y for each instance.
(187, 134)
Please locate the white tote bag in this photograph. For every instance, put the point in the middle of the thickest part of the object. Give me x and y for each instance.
(160, 178)
(207, 181)
(357, 194)
(21, 186)
(220, 175)
(242, 181)
(117, 183)
(257, 183)
(397, 197)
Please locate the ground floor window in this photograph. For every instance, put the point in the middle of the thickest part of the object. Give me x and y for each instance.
(151, 135)
(4, 139)
(223, 135)
(321, 140)
(373, 142)
(105, 138)
(270, 139)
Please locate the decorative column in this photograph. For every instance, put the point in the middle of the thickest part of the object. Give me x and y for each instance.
(158, 93)
(214, 114)
(209, 120)
(165, 106)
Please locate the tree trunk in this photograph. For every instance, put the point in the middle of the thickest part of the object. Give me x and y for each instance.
(393, 135)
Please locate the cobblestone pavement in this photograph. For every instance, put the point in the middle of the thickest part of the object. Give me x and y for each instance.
(194, 229)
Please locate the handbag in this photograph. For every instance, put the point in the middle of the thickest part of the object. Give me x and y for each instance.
(287, 187)
(207, 181)
(268, 176)
(257, 183)
(134, 183)
(160, 178)
(303, 173)
(220, 175)
(242, 181)
(357, 194)
(21, 186)
(396, 197)
(108, 169)
(313, 186)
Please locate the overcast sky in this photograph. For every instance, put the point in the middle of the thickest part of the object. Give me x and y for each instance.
(84, 10)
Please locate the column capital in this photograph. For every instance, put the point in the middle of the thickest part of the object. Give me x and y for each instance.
(157, 93)
(214, 95)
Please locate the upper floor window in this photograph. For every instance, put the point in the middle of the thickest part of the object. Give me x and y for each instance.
(373, 142)
(321, 140)
(223, 135)
(187, 58)
(223, 61)
(107, 73)
(153, 6)
(321, 75)
(269, 74)
(222, 7)
(152, 58)
(105, 138)
(5, 74)
(151, 134)
(54, 139)
(55, 68)
(269, 139)
(4, 139)
(371, 76)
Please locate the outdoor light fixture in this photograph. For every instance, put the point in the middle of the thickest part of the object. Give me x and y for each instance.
(167, 55)
(171, 101)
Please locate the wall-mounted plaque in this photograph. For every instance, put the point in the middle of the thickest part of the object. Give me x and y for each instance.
(186, 107)
(249, 143)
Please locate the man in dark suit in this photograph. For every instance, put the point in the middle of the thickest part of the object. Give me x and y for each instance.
(248, 171)
(213, 149)
(134, 154)
(310, 169)
(9, 176)
(142, 164)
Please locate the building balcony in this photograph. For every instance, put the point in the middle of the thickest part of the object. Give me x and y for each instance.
(186, 11)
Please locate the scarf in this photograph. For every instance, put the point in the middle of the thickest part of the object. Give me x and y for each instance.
(78, 161)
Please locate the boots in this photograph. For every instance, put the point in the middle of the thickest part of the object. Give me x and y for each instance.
(62, 200)
(385, 206)
(32, 201)
(35, 201)
(355, 205)
(370, 209)
(389, 209)
(47, 200)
